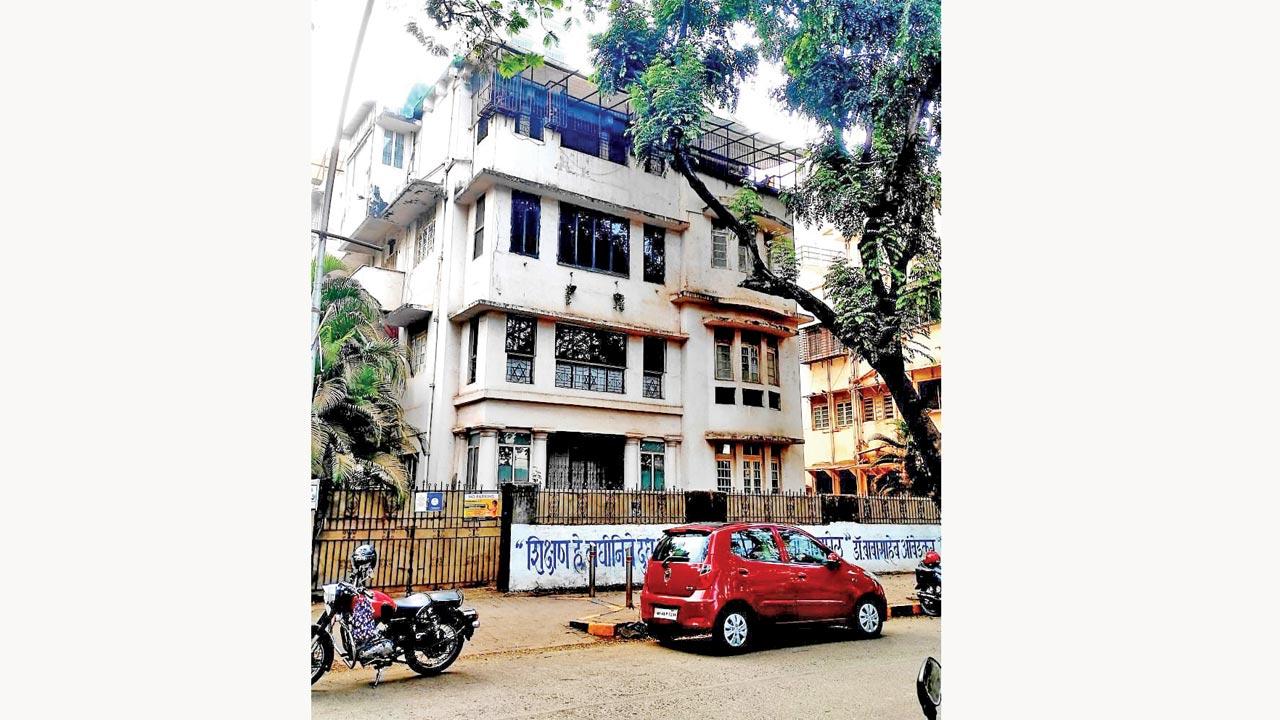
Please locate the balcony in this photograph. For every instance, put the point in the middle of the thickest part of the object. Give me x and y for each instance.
(560, 99)
(386, 286)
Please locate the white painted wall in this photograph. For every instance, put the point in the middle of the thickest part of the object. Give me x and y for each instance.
(554, 557)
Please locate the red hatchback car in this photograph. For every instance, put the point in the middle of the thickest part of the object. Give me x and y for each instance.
(727, 578)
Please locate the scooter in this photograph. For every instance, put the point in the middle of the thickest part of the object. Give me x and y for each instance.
(929, 583)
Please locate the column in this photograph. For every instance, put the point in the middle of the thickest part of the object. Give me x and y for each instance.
(487, 464)
(631, 463)
(672, 461)
(458, 475)
(538, 457)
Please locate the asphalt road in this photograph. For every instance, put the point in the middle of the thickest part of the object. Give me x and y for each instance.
(797, 673)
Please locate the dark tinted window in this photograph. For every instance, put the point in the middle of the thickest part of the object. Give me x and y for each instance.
(802, 548)
(594, 240)
(594, 346)
(775, 400)
(655, 254)
(683, 547)
(753, 398)
(726, 396)
(526, 212)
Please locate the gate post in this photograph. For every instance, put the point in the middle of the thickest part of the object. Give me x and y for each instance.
(504, 537)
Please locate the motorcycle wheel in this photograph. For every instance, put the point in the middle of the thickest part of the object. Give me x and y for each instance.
(444, 653)
(321, 653)
(931, 604)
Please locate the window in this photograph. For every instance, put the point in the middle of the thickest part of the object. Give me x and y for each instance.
(513, 457)
(868, 409)
(817, 343)
(686, 547)
(655, 365)
(652, 460)
(821, 416)
(803, 549)
(724, 474)
(771, 360)
(931, 392)
(417, 352)
(482, 128)
(888, 407)
(755, 544)
(753, 398)
(473, 462)
(844, 413)
(594, 240)
(392, 148)
(526, 214)
(589, 128)
(726, 396)
(751, 357)
(751, 466)
(589, 359)
(724, 354)
(390, 257)
(655, 166)
(719, 248)
(473, 348)
(655, 254)
(745, 262)
(522, 336)
(479, 239)
(426, 236)
(775, 400)
(775, 473)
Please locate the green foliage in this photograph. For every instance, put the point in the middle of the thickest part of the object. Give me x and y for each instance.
(782, 258)
(745, 206)
(667, 101)
(902, 451)
(358, 432)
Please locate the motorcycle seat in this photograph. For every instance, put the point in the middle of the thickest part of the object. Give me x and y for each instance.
(415, 602)
(446, 597)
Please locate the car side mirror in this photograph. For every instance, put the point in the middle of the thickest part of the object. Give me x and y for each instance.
(929, 687)
(833, 561)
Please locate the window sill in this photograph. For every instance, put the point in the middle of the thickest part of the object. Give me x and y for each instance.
(561, 263)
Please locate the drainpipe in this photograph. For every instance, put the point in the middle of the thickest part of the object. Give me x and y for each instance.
(318, 280)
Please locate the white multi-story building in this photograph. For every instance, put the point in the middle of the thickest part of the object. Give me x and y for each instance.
(573, 318)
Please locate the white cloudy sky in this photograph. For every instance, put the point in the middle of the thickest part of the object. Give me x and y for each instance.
(391, 61)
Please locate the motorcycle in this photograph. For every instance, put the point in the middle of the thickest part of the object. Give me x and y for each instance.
(929, 583)
(425, 631)
(929, 688)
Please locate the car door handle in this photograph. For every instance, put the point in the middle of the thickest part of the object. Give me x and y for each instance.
(742, 571)
(802, 576)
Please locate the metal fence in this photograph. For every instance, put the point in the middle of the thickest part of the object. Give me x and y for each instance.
(438, 547)
(641, 507)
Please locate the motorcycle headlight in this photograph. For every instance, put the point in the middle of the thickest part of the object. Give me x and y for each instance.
(330, 594)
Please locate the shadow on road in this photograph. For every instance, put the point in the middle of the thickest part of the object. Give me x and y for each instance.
(772, 638)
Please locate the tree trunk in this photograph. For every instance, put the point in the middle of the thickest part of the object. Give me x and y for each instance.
(892, 369)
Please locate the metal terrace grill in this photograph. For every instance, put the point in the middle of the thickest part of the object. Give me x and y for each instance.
(565, 101)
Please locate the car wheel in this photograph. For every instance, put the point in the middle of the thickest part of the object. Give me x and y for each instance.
(868, 618)
(735, 629)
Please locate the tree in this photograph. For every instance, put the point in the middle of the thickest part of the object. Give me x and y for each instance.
(869, 72)
(358, 432)
(907, 475)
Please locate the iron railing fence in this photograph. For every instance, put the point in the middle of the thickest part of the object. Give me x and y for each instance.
(643, 507)
(437, 547)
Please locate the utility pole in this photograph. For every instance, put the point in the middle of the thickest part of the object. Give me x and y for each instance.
(318, 278)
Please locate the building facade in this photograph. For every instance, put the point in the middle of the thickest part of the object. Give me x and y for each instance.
(847, 406)
(571, 316)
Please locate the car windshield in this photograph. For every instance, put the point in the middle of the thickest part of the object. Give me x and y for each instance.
(681, 547)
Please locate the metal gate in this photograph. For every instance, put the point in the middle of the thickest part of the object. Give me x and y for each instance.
(443, 542)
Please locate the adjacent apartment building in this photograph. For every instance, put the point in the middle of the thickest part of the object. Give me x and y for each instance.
(847, 404)
(571, 315)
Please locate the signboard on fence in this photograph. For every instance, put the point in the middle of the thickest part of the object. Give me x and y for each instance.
(428, 502)
(315, 492)
(545, 557)
(481, 505)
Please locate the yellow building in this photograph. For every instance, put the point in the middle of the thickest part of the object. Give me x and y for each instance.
(847, 405)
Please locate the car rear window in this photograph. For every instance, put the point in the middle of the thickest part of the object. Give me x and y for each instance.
(681, 547)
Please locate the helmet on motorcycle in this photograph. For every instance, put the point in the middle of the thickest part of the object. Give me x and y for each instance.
(364, 558)
(932, 558)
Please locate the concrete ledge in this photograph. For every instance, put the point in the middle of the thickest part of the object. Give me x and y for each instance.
(905, 610)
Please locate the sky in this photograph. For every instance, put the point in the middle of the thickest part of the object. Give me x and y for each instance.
(391, 61)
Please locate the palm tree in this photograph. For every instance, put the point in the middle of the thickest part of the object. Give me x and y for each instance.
(908, 477)
(358, 431)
